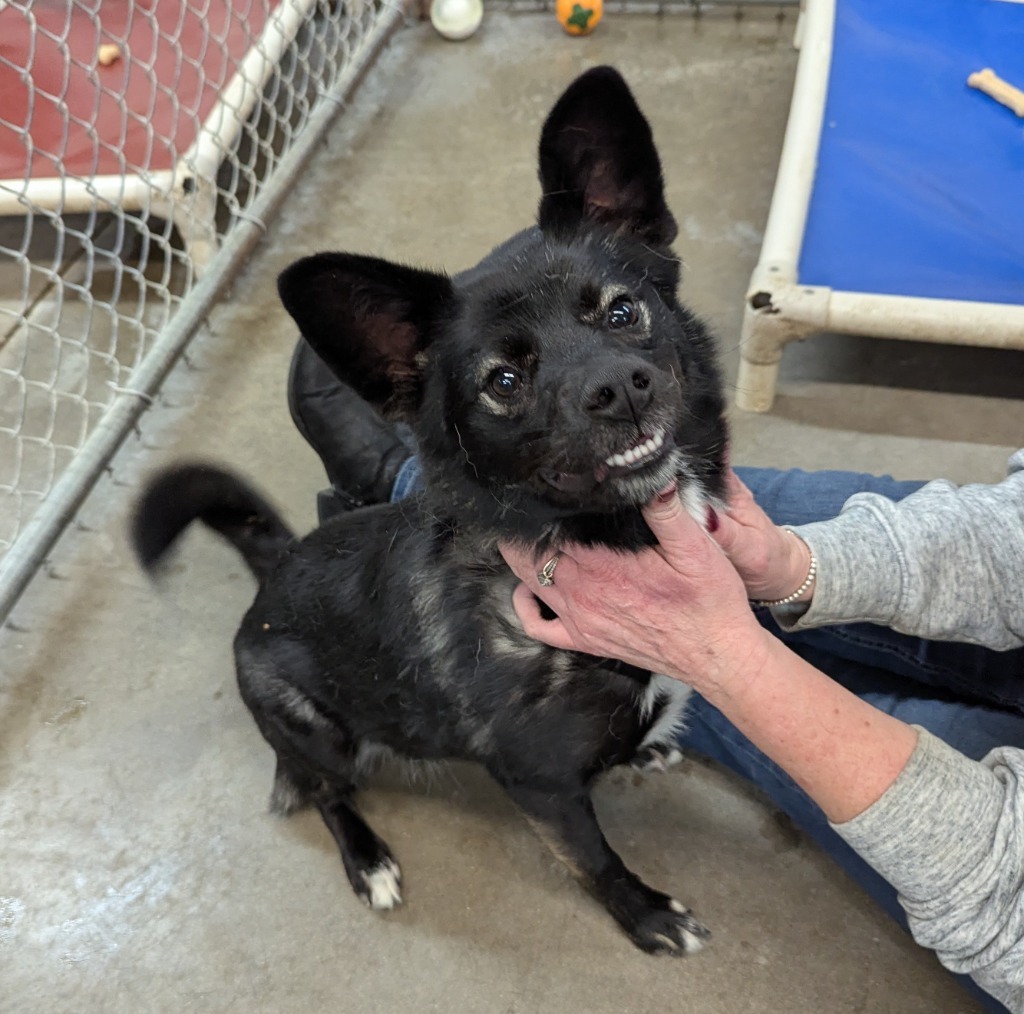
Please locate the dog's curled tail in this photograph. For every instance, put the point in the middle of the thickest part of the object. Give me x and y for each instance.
(181, 494)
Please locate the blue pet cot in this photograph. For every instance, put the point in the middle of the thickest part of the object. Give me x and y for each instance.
(898, 210)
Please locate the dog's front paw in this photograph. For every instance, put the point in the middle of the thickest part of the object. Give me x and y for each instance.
(668, 928)
(656, 758)
(380, 886)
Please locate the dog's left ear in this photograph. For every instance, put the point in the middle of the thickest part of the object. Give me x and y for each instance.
(598, 162)
(369, 320)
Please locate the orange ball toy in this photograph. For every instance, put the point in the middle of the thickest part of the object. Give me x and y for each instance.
(579, 17)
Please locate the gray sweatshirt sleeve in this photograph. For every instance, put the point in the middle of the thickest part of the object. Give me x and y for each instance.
(946, 563)
(948, 834)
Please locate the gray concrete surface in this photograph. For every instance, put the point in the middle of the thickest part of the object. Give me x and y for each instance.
(139, 869)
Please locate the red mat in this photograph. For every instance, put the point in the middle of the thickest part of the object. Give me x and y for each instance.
(61, 113)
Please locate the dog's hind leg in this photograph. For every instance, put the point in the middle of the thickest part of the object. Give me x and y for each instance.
(369, 864)
(317, 763)
(372, 870)
(566, 822)
(293, 790)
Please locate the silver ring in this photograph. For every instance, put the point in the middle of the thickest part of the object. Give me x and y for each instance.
(546, 577)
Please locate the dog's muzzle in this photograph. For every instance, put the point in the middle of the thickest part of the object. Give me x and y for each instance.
(643, 454)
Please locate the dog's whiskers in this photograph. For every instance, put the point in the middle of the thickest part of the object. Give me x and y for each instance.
(462, 447)
(662, 254)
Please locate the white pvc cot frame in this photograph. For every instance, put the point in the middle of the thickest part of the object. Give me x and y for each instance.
(780, 310)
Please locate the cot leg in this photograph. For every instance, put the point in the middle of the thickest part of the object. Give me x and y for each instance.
(755, 384)
(771, 320)
(762, 340)
(190, 205)
(196, 220)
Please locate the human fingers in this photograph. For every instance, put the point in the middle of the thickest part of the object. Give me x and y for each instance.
(768, 558)
(732, 538)
(677, 533)
(528, 567)
(552, 632)
(521, 561)
(744, 532)
(736, 489)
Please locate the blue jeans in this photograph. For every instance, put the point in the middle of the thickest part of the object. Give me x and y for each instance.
(970, 697)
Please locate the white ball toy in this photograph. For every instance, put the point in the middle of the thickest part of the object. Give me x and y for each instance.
(456, 19)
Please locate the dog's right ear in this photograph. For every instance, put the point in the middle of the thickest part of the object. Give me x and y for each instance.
(369, 320)
(598, 162)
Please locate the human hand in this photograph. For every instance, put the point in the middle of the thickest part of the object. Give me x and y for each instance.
(677, 608)
(771, 561)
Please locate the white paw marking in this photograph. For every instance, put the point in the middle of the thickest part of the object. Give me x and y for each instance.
(691, 942)
(670, 697)
(673, 757)
(384, 882)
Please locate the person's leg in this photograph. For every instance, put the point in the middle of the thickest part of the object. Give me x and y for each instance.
(795, 497)
(361, 451)
(972, 729)
(408, 481)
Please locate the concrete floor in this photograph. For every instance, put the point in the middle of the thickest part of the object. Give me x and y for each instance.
(140, 870)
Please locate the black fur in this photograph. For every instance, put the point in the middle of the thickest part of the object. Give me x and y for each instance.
(391, 627)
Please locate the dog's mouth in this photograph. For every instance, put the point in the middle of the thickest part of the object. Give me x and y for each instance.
(646, 451)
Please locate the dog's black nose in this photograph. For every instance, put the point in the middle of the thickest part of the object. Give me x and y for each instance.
(620, 395)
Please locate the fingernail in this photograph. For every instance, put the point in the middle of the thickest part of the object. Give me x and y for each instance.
(712, 524)
(665, 496)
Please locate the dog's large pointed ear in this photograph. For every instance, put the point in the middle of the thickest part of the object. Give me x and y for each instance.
(369, 320)
(598, 162)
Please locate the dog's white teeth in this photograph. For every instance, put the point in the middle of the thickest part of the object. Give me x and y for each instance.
(634, 454)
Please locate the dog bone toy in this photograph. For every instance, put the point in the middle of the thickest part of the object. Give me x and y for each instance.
(989, 82)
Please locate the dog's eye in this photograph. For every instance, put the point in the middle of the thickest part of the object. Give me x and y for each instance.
(505, 381)
(622, 313)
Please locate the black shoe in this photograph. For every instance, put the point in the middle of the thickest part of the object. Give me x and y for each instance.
(361, 451)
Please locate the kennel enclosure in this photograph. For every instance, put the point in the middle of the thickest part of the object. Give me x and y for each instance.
(143, 146)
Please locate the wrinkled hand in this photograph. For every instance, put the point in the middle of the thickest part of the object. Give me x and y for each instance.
(771, 561)
(677, 608)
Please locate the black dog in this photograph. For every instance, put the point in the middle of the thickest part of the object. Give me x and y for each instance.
(552, 389)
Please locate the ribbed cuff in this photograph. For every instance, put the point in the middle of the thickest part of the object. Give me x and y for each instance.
(856, 543)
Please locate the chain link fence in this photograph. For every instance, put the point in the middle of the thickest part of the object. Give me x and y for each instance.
(142, 145)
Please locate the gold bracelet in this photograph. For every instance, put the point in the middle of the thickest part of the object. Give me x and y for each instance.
(812, 573)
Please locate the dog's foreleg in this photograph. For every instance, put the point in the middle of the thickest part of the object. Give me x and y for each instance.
(566, 822)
